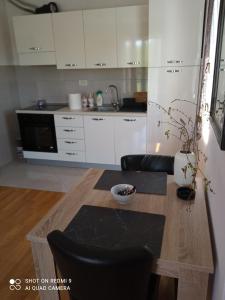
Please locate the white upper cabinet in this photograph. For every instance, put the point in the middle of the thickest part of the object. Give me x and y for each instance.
(99, 139)
(175, 32)
(130, 136)
(34, 39)
(69, 40)
(100, 38)
(132, 36)
(33, 33)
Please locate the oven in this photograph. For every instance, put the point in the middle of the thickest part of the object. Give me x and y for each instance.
(38, 132)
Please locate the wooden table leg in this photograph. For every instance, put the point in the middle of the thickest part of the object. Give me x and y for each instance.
(192, 285)
(45, 269)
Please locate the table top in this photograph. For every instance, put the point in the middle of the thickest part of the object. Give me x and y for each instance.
(186, 240)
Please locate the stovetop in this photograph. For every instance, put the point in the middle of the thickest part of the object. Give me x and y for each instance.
(47, 107)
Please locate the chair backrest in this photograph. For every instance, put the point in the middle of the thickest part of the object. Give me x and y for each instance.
(102, 274)
(151, 163)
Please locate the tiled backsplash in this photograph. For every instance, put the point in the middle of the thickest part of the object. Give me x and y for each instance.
(46, 82)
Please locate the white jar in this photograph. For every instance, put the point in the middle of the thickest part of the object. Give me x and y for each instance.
(91, 100)
(84, 101)
(181, 161)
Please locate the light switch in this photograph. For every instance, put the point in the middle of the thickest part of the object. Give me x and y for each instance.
(83, 82)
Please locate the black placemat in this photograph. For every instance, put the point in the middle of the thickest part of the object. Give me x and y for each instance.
(116, 228)
(145, 182)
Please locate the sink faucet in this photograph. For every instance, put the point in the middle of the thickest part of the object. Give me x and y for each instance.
(115, 103)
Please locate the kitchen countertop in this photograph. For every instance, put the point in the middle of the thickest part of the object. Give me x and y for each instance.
(66, 110)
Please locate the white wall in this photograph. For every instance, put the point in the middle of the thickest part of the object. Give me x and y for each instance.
(215, 171)
(5, 44)
(9, 99)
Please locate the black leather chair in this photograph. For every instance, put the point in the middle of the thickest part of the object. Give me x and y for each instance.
(151, 163)
(99, 274)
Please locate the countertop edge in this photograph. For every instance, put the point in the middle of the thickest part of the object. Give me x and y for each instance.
(64, 111)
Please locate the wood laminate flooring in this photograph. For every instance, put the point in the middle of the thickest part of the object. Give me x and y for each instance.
(20, 210)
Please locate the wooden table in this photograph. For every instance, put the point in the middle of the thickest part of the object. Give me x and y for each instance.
(186, 251)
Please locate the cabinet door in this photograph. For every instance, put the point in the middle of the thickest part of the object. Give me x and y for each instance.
(175, 32)
(130, 136)
(69, 40)
(33, 33)
(100, 38)
(132, 36)
(99, 139)
(166, 85)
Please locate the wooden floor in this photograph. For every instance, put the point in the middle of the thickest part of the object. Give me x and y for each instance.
(20, 210)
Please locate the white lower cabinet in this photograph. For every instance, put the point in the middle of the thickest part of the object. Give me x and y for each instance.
(71, 155)
(70, 144)
(130, 136)
(70, 137)
(69, 133)
(99, 139)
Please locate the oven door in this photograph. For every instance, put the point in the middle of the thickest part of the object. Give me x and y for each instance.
(38, 132)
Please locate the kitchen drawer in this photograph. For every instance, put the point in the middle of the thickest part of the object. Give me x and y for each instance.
(70, 144)
(70, 133)
(76, 156)
(69, 120)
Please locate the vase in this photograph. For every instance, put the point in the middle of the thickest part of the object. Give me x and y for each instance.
(182, 159)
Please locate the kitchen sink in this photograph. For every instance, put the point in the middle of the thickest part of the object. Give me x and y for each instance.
(105, 109)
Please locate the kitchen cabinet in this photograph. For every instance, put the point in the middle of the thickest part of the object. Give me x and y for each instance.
(178, 83)
(130, 136)
(69, 120)
(69, 133)
(99, 139)
(69, 40)
(132, 36)
(100, 38)
(175, 32)
(70, 144)
(70, 137)
(34, 39)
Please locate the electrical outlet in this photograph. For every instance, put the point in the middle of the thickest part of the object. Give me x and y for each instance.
(83, 82)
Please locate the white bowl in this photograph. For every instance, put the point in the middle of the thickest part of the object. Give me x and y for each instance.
(120, 198)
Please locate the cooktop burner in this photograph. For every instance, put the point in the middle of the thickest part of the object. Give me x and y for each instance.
(47, 107)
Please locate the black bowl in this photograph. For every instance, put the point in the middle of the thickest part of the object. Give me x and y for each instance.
(185, 193)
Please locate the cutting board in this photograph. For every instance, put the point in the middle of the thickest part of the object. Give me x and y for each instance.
(141, 97)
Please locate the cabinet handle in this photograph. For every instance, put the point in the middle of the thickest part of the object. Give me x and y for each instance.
(68, 142)
(69, 130)
(134, 63)
(71, 153)
(222, 59)
(100, 64)
(172, 71)
(174, 61)
(68, 118)
(70, 65)
(129, 120)
(35, 48)
(97, 119)
(222, 70)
